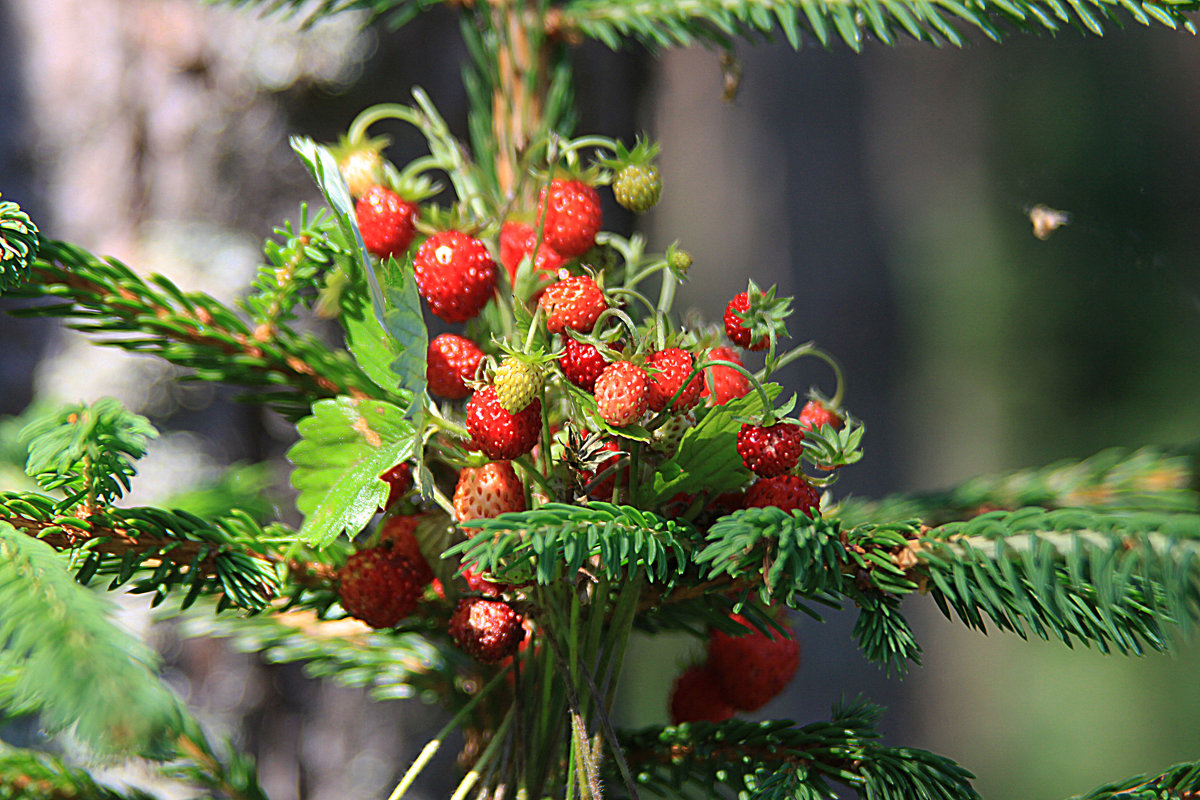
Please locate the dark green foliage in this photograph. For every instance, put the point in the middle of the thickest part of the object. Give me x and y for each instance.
(1117, 580)
(32, 775)
(62, 655)
(556, 540)
(1180, 782)
(789, 762)
(18, 244)
(668, 23)
(394, 12)
(831, 448)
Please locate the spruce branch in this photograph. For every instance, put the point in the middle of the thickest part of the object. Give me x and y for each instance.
(34, 775)
(671, 23)
(1180, 782)
(105, 298)
(394, 12)
(778, 760)
(19, 241)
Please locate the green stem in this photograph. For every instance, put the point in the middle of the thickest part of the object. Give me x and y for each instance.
(532, 473)
(377, 113)
(489, 752)
(809, 349)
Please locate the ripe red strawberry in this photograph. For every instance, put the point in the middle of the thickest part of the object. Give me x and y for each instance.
(399, 481)
(574, 303)
(489, 630)
(722, 384)
(770, 451)
(399, 534)
(451, 361)
(517, 240)
(815, 415)
(603, 490)
(381, 586)
(573, 216)
(622, 392)
(737, 332)
(788, 492)
(487, 491)
(727, 503)
(386, 221)
(455, 274)
(674, 366)
(499, 434)
(696, 697)
(582, 363)
(754, 668)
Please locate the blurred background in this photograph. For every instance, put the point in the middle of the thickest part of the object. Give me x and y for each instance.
(889, 191)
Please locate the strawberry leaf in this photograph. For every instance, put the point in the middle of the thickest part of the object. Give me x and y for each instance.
(707, 459)
(344, 447)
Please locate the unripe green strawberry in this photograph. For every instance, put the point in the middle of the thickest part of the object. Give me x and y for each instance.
(517, 384)
(666, 437)
(638, 187)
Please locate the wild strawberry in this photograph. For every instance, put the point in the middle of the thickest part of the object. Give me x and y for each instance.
(399, 481)
(455, 274)
(621, 393)
(637, 187)
(582, 363)
(666, 437)
(727, 503)
(382, 587)
(722, 384)
(386, 221)
(361, 164)
(518, 240)
(399, 534)
(816, 415)
(736, 329)
(517, 384)
(606, 471)
(451, 361)
(574, 303)
(489, 630)
(572, 216)
(754, 668)
(772, 450)
(696, 697)
(487, 491)
(499, 434)
(673, 367)
(788, 492)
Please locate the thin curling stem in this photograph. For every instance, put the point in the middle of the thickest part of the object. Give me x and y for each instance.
(809, 349)
(600, 142)
(378, 113)
(622, 317)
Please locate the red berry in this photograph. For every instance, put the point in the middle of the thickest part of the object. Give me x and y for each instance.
(815, 415)
(381, 586)
(386, 221)
(489, 630)
(451, 361)
(573, 216)
(722, 384)
(518, 240)
(622, 392)
(770, 451)
(696, 697)
(582, 363)
(399, 534)
(399, 481)
(499, 434)
(788, 492)
(738, 333)
(477, 583)
(487, 491)
(727, 503)
(754, 668)
(455, 274)
(574, 302)
(673, 367)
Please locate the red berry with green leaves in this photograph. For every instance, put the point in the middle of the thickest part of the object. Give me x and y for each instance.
(752, 669)
(582, 363)
(455, 274)
(816, 415)
(399, 481)
(487, 491)
(622, 393)
(668, 369)
(722, 384)
(736, 329)
(789, 492)
(770, 450)
(499, 434)
(517, 240)
(572, 216)
(575, 302)
(451, 361)
(488, 630)
(697, 697)
(607, 472)
(399, 533)
(382, 586)
(387, 222)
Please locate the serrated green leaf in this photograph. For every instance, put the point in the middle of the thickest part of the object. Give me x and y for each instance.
(344, 447)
